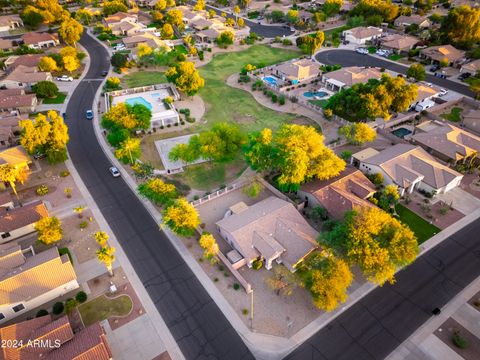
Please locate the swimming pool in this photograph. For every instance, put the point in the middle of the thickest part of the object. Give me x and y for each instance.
(138, 100)
(401, 132)
(271, 80)
(316, 94)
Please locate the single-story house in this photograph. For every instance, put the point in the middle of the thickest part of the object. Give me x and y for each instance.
(360, 35)
(127, 28)
(118, 18)
(201, 24)
(189, 15)
(447, 142)
(15, 100)
(151, 40)
(398, 43)
(438, 53)
(10, 22)
(348, 76)
(27, 282)
(403, 21)
(410, 167)
(9, 129)
(6, 45)
(471, 120)
(20, 221)
(346, 192)
(23, 77)
(63, 343)
(305, 16)
(271, 230)
(298, 70)
(207, 36)
(472, 67)
(29, 60)
(37, 41)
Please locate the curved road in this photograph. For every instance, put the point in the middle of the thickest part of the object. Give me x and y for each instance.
(196, 323)
(352, 58)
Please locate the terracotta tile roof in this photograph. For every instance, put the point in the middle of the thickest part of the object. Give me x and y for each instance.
(118, 17)
(274, 224)
(88, 344)
(353, 75)
(16, 101)
(33, 38)
(406, 163)
(399, 42)
(441, 52)
(300, 68)
(30, 60)
(209, 33)
(16, 218)
(409, 20)
(14, 156)
(451, 141)
(345, 192)
(10, 256)
(38, 275)
(362, 32)
(27, 74)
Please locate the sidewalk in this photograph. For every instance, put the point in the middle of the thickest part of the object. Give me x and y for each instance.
(262, 346)
(158, 331)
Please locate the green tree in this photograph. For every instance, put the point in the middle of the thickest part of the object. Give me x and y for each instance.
(292, 16)
(45, 89)
(416, 71)
(158, 191)
(32, 17)
(112, 7)
(84, 16)
(310, 44)
(367, 8)
(185, 77)
(49, 230)
(332, 7)
(462, 25)
(327, 278)
(119, 60)
(225, 38)
(129, 151)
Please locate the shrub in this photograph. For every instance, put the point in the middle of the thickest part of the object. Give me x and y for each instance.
(281, 99)
(236, 286)
(81, 297)
(215, 279)
(45, 89)
(226, 274)
(274, 98)
(68, 192)
(459, 341)
(42, 190)
(83, 224)
(221, 267)
(257, 264)
(64, 173)
(41, 312)
(70, 304)
(245, 311)
(58, 308)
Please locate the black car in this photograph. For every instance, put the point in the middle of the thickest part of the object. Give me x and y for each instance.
(104, 73)
(464, 76)
(435, 68)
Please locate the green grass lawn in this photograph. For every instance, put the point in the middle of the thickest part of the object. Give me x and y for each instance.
(422, 228)
(60, 99)
(102, 308)
(225, 103)
(318, 102)
(395, 57)
(144, 78)
(454, 115)
(372, 49)
(208, 176)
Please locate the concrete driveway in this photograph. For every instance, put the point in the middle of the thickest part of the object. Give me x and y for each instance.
(460, 200)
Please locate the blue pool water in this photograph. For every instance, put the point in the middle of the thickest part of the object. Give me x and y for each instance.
(138, 100)
(271, 80)
(156, 95)
(318, 94)
(401, 132)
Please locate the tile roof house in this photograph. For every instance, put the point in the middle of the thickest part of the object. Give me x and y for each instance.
(29, 60)
(298, 70)
(439, 53)
(87, 344)
(118, 17)
(207, 36)
(15, 100)
(27, 282)
(472, 67)
(399, 43)
(10, 22)
(23, 77)
(36, 40)
(127, 28)
(360, 35)
(6, 45)
(471, 120)
(348, 76)
(20, 221)
(410, 167)
(403, 21)
(346, 192)
(271, 229)
(151, 40)
(447, 142)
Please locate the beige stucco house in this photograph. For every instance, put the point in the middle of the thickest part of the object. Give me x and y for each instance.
(271, 230)
(20, 221)
(348, 76)
(298, 70)
(361, 35)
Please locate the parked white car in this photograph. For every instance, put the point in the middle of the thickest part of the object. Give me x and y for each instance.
(64, 78)
(119, 47)
(443, 92)
(362, 51)
(383, 52)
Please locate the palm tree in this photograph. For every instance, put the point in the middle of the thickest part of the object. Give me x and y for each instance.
(106, 256)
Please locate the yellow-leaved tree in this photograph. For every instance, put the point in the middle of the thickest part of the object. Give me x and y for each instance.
(181, 217)
(71, 63)
(358, 133)
(118, 115)
(12, 174)
(210, 247)
(158, 191)
(129, 151)
(47, 63)
(70, 30)
(167, 31)
(49, 230)
(327, 278)
(187, 79)
(101, 237)
(200, 5)
(143, 50)
(106, 255)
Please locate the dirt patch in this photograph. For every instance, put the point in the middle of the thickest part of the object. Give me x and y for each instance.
(446, 332)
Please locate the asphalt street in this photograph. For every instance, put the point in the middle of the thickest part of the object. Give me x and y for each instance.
(195, 321)
(382, 320)
(352, 58)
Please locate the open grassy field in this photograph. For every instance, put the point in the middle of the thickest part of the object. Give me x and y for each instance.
(422, 228)
(144, 78)
(225, 103)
